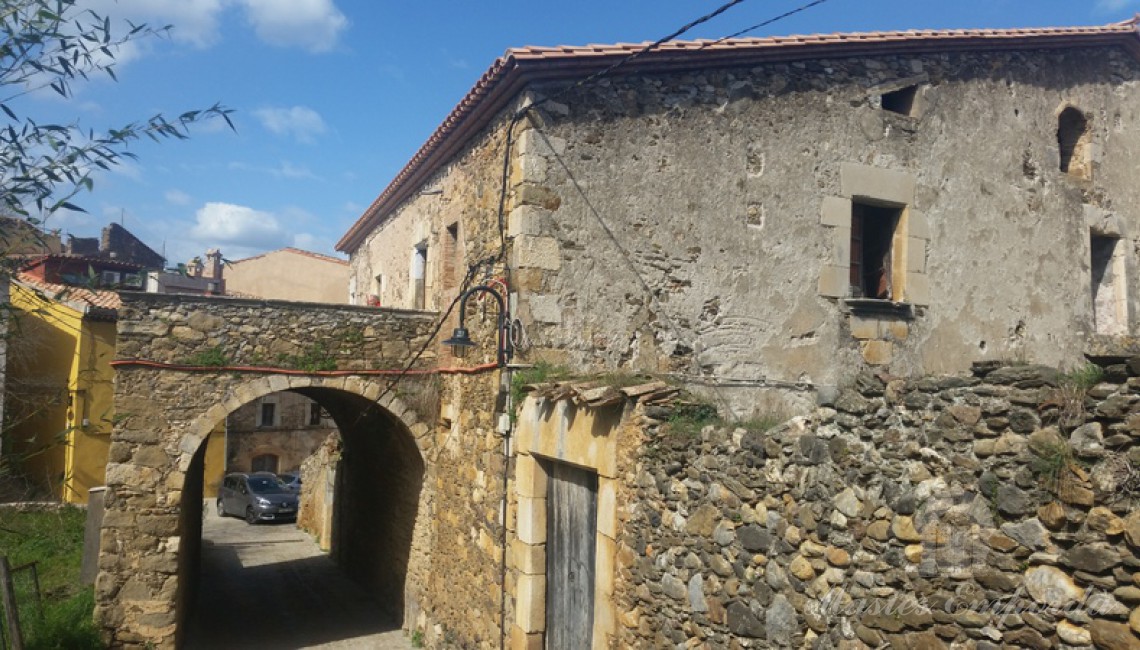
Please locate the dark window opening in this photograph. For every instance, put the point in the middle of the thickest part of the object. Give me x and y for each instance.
(872, 238)
(1108, 316)
(314, 414)
(264, 463)
(1072, 140)
(450, 257)
(268, 413)
(900, 101)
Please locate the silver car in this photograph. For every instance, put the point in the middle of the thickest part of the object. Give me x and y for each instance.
(257, 497)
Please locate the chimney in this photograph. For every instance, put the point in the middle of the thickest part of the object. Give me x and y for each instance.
(194, 268)
(213, 264)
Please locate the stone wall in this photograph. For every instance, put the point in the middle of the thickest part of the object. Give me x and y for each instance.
(700, 223)
(992, 510)
(195, 330)
(292, 438)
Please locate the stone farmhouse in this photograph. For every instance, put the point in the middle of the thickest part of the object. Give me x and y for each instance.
(772, 221)
(781, 212)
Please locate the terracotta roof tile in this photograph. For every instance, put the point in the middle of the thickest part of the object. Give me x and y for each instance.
(72, 296)
(519, 66)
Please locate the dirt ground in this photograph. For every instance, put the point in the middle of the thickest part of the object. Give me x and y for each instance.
(269, 586)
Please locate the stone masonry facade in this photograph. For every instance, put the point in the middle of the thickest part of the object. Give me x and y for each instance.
(701, 223)
(993, 510)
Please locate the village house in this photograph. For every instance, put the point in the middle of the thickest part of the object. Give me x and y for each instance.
(289, 274)
(781, 212)
(766, 221)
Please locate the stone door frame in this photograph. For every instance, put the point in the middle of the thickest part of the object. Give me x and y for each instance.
(577, 435)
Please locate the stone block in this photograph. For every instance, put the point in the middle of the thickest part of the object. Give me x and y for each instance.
(531, 142)
(537, 252)
(917, 290)
(530, 478)
(521, 640)
(836, 211)
(530, 194)
(864, 328)
(835, 281)
(841, 246)
(529, 558)
(917, 224)
(878, 353)
(532, 520)
(530, 604)
(897, 330)
(865, 181)
(527, 220)
(916, 255)
(607, 507)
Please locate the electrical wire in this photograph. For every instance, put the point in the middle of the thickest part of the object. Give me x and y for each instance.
(782, 16)
(625, 60)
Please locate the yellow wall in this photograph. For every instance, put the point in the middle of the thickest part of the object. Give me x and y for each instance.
(59, 370)
(215, 467)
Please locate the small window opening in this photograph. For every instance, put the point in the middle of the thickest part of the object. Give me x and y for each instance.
(419, 276)
(314, 414)
(872, 250)
(264, 463)
(1073, 138)
(1108, 295)
(268, 414)
(900, 101)
(451, 257)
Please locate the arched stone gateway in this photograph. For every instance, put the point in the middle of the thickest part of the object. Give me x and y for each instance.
(152, 527)
(184, 364)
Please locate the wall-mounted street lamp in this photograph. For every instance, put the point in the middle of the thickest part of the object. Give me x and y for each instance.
(460, 340)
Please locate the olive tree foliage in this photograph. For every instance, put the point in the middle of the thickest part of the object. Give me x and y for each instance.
(48, 46)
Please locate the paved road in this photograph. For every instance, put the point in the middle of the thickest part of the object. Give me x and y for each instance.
(269, 586)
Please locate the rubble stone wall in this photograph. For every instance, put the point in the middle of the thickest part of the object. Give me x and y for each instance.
(193, 330)
(700, 222)
(992, 510)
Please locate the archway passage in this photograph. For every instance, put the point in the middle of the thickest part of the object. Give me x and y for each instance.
(250, 585)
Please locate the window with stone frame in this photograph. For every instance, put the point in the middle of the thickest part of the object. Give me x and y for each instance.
(264, 463)
(314, 414)
(873, 252)
(267, 414)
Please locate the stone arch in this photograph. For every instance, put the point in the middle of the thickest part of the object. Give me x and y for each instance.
(242, 394)
(154, 502)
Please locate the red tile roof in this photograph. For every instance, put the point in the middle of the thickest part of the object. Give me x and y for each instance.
(75, 297)
(509, 74)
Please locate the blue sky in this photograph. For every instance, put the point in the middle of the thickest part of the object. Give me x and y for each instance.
(332, 97)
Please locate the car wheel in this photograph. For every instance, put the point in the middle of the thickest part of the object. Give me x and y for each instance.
(250, 516)
(221, 509)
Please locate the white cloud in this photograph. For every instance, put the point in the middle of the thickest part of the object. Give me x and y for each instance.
(227, 225)
(1108, 6)
(312, 24)
(192, 21)
(300, 122)
(177, 197)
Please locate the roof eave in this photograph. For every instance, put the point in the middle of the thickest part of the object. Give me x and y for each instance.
(513, 72)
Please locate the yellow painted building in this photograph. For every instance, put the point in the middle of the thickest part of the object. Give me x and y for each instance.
(59, 405)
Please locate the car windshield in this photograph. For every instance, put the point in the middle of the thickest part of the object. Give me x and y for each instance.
(265, 485)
